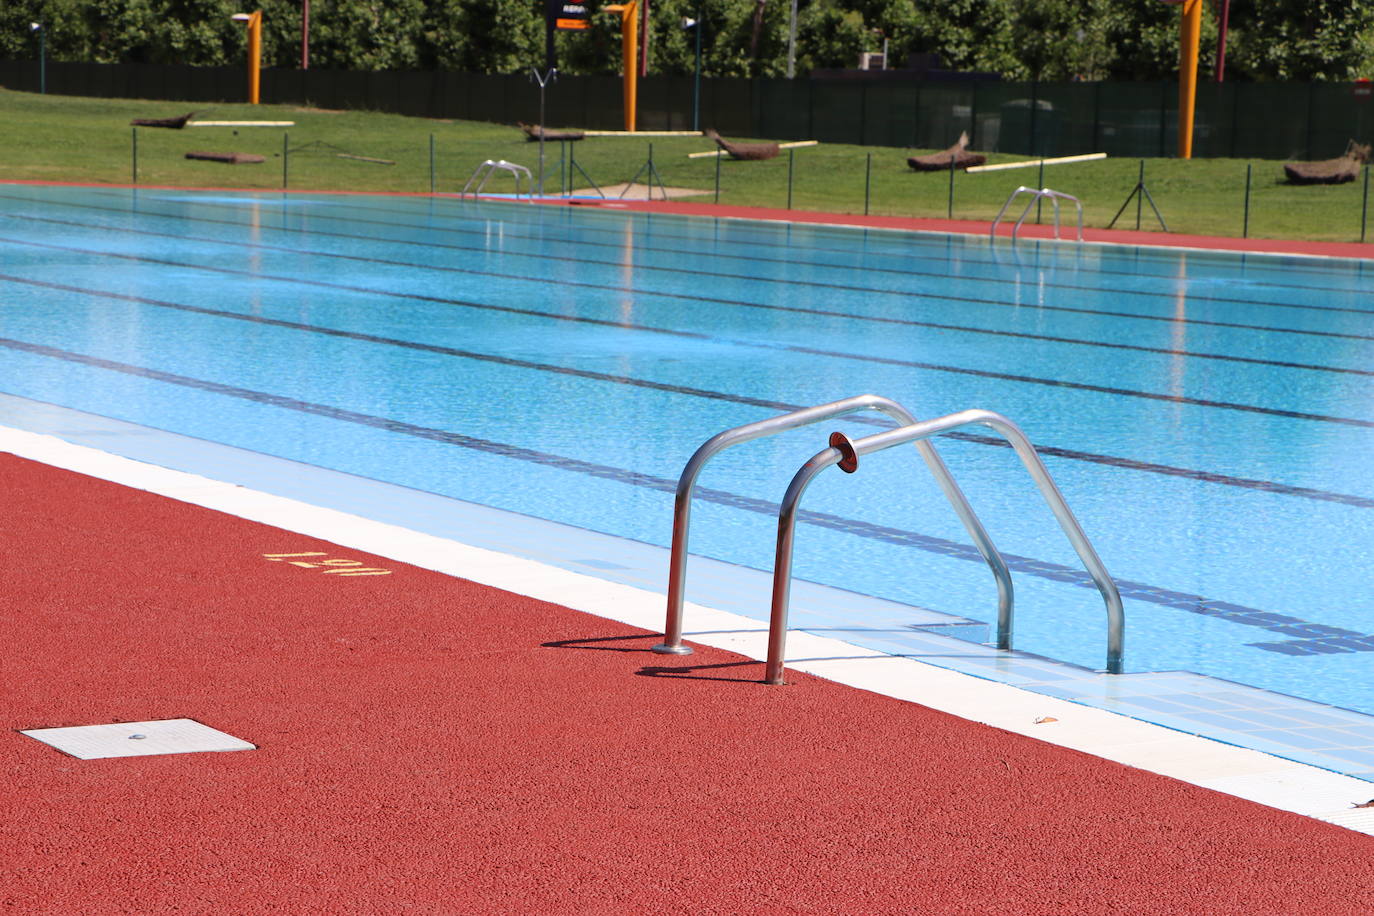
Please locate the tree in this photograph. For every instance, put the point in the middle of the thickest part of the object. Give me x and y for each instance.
(1021, 39)
(1301, 39)
(485, 36)
(1059, 39)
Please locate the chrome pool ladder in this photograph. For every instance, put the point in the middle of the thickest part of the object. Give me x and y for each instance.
(491, 167)
(682, 507)
(1037, 195)
(845, 452)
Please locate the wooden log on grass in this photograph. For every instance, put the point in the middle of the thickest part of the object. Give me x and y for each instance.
(174, 123)
(957, 156)
(228, 158)
(721, 152)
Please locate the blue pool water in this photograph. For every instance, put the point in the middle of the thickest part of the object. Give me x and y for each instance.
(1209, 417)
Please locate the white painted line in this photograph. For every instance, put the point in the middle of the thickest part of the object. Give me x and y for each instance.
(641, 133)
(1237, 771)
(1059, 160)
(137, 739)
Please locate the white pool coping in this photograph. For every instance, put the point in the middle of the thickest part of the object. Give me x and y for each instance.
(1237, 771)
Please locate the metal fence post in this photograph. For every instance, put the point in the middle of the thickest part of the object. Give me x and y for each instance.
(285, 157)
(431, 163)
(1245, 228)
(950, 211)
(790, 158)
(1140, 198)
(135, 156)
(719, 157)
(1040, 186)
(867, 183)
(1364, 203)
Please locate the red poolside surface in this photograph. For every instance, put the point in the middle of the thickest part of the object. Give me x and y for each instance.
(1068, 228)
(429, 745)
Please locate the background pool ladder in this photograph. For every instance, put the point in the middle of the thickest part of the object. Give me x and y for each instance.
(845, 452)
(1038, 195)
(491, 167)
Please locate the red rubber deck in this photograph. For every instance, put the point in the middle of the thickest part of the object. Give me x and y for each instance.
(434, 746)
(981, 227)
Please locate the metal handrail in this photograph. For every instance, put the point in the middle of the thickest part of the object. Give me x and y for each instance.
(492, 166)
(1054, 197)
(682, 506)
(846, 453)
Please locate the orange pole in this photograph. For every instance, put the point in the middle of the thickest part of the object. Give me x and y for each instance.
(254, 54)
(1189, 33)
(629, 42)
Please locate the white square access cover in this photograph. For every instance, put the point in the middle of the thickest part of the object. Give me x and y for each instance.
(138, 739)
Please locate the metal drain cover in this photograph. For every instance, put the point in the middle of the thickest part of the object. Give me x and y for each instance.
(138, 739)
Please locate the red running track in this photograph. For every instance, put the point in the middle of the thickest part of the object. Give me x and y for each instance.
(430, 745)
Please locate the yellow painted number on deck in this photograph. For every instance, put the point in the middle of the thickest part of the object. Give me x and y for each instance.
(307, 560)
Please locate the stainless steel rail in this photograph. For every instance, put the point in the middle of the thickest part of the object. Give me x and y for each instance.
(491, 167)
(1036, 195)
(682, 507)
(846, 454)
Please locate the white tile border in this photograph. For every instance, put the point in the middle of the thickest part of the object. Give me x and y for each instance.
(1237, 771)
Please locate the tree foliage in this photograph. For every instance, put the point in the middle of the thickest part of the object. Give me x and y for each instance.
(1021, 39)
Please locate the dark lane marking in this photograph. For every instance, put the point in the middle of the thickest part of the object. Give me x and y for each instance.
(927, 242)
(1129, 464)
(904, 295)
(647, 220)
(848, 316)
(545, 238)
(1283, 624)
(760, 345)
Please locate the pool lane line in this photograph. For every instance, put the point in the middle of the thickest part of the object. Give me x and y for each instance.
(995, 303)
(849, 316)
(544, 237)
(1164, 255)
(759, 345)
(1283, 624)
(788, 262)
(646, 219)
(1265, 252)
(1113, 461)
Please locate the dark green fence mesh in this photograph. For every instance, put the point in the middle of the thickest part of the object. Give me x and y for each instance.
(1240, 120)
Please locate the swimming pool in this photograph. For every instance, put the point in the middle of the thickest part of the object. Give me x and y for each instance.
(1206, 415)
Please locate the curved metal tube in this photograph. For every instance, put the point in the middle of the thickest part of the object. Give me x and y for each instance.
(849, 452)
(1037, 194)
(491, 165)
(682, 507)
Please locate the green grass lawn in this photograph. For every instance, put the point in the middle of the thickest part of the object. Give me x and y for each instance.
(62, 138)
